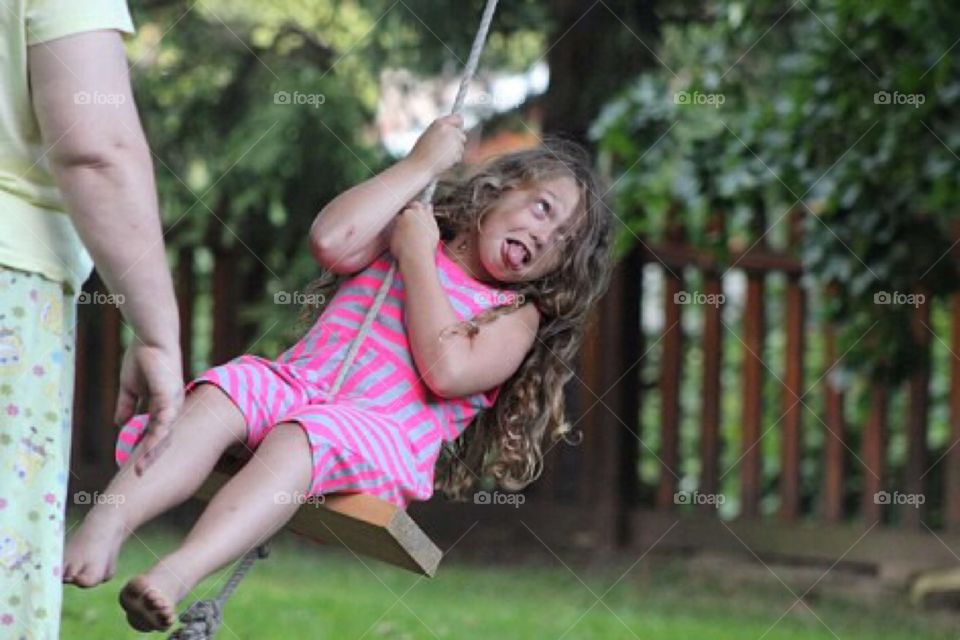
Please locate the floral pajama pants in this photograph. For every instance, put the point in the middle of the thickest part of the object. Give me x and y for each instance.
(36, 392)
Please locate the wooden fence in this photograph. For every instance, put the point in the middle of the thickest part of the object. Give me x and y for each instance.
(592, 496)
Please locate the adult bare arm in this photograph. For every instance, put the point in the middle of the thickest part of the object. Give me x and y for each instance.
(98, 153)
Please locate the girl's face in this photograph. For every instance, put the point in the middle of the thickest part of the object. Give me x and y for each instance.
(522, 237)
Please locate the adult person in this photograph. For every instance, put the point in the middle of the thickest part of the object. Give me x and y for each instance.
(76, 181)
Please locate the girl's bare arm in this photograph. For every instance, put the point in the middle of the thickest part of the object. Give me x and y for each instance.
(458, 365)
(357, 225)
(353, 229)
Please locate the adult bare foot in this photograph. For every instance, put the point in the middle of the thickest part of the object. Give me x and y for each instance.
(90, 555)
(150, 599)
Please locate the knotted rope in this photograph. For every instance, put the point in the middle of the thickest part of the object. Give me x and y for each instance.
(204, 617)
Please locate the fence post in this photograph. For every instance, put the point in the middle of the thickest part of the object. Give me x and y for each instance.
(833, 438)
(225, 326)
(671, 370)
(873, 453)
(186, 295)
(753, 378)
(919, 386)
(712, 365)
(82, 407)
(792, 442)
(952, 459)
(631, 388)
(612, 380)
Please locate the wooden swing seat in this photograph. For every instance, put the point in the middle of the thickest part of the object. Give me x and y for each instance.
(362, 523)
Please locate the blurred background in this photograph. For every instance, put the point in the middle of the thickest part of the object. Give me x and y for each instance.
(769, 395)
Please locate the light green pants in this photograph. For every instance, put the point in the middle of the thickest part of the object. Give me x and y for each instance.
(36, 396)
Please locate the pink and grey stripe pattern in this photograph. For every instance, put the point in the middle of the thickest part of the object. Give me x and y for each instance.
(382, 433)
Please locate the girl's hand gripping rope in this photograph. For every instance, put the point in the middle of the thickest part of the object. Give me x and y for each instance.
(441, 145)
(415, 232)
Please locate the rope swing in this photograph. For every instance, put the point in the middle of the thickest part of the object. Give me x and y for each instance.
(202, 619)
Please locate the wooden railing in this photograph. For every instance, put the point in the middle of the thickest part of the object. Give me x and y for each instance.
(601, 478)
(855, 481)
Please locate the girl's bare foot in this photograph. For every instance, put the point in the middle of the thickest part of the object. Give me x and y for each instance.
(150, 599)
(90, 556)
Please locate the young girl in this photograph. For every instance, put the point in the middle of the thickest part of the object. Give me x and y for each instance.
(493, 287)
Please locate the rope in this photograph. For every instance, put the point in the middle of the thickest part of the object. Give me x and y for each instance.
(426, 196)
(202, 619)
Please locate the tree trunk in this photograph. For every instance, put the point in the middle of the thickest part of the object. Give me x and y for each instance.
(595, 51)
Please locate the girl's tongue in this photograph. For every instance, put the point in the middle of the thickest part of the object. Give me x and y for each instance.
(514, 254)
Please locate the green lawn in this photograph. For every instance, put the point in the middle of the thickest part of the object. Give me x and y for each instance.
(305, 591)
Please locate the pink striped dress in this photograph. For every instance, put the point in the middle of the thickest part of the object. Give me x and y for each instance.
(382, 433)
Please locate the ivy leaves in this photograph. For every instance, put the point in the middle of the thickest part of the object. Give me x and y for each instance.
(841, 110)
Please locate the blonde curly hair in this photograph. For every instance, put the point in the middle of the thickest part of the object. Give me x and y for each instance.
(505, 442)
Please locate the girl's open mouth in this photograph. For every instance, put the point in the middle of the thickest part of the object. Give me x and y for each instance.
(515, 254)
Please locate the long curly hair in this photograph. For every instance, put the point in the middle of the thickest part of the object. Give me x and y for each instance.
(505, 442)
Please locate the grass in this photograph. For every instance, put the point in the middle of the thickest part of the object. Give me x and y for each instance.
(309, 591)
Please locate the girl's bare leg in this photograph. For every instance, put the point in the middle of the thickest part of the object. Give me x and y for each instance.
(209, 424)
(245, 513)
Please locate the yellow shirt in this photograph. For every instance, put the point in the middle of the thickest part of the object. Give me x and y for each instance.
(36, 234)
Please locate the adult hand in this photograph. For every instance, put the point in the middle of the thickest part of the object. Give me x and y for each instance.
(151, 377)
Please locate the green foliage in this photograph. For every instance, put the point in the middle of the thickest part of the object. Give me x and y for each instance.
(836, 107)
(258, 114)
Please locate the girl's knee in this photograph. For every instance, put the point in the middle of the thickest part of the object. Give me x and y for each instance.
(287, 448)
(208, 393)
(288, 434)
(209, 403)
